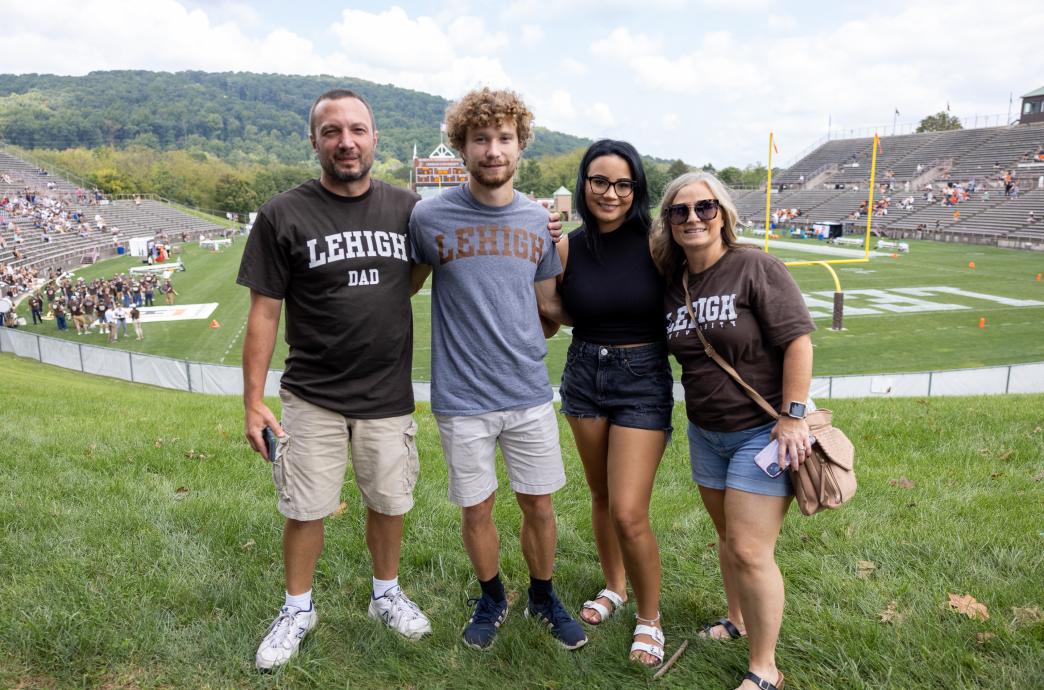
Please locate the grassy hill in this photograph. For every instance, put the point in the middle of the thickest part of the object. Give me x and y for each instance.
(882, 341)
(140, 549)
(233, 115)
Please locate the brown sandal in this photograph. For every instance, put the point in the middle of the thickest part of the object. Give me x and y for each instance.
(762, 683)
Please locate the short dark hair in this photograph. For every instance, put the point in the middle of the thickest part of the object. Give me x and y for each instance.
(335, 95)
(638, 217)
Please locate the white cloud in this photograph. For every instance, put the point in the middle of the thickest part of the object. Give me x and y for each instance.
(670, 121)
(601, 114)
(573, 67)
(532, 34)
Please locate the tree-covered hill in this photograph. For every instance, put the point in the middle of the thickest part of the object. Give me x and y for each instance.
(237, 116)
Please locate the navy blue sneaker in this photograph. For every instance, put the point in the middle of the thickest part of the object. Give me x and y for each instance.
(481, 630)
(567, 631)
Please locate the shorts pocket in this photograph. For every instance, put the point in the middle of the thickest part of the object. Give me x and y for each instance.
(281, 468)
(411, 467)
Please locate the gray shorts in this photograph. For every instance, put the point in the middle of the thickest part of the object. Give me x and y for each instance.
(528, 440)
(312, 458)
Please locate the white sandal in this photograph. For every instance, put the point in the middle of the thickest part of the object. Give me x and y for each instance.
(652, 631)
(615, 599)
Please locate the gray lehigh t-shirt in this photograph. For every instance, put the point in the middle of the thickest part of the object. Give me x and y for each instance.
(487, 346)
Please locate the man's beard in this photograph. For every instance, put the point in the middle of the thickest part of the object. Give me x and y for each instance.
(492, 180)
(329, 166)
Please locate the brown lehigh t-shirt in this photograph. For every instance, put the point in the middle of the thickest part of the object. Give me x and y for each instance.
(748, 307)
(342, 267)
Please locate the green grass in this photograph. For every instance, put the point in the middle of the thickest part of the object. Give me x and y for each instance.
(869, 344)
(110, 576)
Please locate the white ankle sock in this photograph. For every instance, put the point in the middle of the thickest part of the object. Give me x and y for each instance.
(302, 602)
(382, 587)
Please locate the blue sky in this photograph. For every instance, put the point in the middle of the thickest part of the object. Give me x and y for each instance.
(702, 80)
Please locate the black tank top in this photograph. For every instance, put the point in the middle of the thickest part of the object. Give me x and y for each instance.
(618, 299)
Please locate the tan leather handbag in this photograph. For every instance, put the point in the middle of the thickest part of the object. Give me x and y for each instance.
(824, 479)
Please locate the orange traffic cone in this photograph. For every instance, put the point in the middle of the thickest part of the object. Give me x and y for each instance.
(1038, 277)
(215, 324)
(971, 264)
(982, 322)
(895, 256)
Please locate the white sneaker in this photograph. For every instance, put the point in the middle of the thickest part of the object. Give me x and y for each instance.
(284, 636)
(400, 614)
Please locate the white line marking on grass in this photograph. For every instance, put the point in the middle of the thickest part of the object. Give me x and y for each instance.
(234, 340)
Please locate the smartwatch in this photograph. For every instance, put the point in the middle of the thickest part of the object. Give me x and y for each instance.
(795, 410)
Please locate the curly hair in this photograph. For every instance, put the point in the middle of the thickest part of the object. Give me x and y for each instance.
(484, 108)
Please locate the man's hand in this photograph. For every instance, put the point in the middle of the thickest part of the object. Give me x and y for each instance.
(554, 226)
(257, 417)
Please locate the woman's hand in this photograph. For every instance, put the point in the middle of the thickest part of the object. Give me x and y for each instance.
(792, 435)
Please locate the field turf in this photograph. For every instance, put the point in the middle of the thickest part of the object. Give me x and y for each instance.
(876, 343)
(140, 548)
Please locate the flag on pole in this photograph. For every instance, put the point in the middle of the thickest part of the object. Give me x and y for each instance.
(947, 106)
(877, 140)
(897, 112)
(775, 149)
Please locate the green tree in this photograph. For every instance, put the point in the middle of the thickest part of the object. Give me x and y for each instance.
(232, 193)
(942, 121)
(677, 169)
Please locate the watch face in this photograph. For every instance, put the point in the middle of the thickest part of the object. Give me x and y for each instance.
(796, 410)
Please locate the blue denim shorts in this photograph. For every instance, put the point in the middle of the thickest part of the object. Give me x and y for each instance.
(721, 459)
(630, 386)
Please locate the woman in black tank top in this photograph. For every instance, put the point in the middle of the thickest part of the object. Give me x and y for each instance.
(616, 387)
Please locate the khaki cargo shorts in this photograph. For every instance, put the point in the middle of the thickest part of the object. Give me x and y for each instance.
(312, 458)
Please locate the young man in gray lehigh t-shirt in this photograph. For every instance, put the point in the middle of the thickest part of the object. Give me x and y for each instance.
(489, 248)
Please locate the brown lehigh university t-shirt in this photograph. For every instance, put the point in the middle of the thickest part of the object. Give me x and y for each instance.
(342, 268)
(748, 307)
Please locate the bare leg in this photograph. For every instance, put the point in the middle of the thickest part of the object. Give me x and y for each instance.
(714, 502)
(384, 539)
(539, 534)
(754, 523)
(592, 443)
(302, 544)
(481, 539)
(634, 456)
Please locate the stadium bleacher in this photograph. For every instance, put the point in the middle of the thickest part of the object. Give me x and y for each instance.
(830, 183)
(143, 218)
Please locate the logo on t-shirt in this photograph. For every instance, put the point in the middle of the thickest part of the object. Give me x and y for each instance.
(490, 240)
(711, 312)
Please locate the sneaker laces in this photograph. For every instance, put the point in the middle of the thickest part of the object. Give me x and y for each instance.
(402, 604)
(555, 612)
(486, 610)
(280, 630)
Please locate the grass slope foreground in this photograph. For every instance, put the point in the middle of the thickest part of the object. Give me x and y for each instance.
(140, 548)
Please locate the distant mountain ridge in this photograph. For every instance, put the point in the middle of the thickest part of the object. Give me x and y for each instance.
(238, 116)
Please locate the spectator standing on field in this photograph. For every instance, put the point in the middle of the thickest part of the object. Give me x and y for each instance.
(135, 315)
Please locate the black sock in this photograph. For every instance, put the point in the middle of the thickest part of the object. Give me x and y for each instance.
(494, 588)
(539, 590)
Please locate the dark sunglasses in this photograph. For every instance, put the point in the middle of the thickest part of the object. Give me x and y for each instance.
(705, 210)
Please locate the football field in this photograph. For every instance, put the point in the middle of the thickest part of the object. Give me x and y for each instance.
(917, 311)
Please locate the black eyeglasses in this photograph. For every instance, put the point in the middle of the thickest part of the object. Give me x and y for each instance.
(705, 210)
(600, 185)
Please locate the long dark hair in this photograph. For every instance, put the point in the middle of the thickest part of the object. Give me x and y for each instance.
(638, 217)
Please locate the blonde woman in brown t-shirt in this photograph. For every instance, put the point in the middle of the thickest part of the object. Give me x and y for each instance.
(748, 307)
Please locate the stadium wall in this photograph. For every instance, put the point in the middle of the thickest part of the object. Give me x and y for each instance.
(217, 379)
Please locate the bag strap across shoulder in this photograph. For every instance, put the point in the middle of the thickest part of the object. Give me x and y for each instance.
(713, 354)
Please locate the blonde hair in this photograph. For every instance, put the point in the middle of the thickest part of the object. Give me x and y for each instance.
(666, 254)
(484, 108)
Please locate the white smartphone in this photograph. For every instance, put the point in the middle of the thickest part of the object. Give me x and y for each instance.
(768, 458)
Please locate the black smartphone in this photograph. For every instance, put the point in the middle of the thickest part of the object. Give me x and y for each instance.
(270, 442)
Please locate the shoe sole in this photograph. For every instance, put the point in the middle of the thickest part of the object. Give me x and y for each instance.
(480, 648)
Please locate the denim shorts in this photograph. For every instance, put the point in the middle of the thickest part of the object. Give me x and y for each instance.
(630, 386)
(725, 459)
